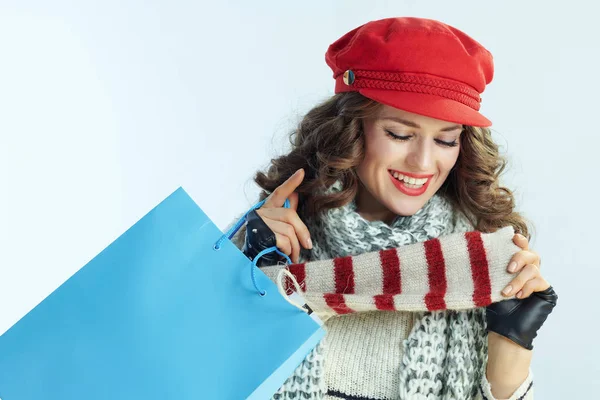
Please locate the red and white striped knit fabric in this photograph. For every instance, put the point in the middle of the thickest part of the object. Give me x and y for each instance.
(458, 271)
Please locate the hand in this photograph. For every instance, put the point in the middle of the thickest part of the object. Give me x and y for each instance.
(527, 263)
(520, 318)
(290, 232)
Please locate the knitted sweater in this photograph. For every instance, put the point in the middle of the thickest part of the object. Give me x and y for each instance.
(370, 304)
(457, 272)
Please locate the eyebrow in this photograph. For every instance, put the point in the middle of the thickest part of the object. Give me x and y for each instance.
(415, 125)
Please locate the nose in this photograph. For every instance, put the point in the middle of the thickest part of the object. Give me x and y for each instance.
(421, 156)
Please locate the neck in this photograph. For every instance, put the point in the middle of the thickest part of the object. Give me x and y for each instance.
(370, 209)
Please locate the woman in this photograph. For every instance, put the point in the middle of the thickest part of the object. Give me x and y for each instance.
(401, 155)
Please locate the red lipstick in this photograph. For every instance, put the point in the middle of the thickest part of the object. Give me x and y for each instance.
(410, 191)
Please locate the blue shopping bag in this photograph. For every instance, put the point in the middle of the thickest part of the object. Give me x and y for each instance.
(170, 310)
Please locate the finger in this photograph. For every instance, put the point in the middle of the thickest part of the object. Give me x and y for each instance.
(293, 201)
(534, 285)
(521, 259)
(521, 241)
(291, 217)
(283, 191)
(283, 244)
(282, 231)
(530, 271)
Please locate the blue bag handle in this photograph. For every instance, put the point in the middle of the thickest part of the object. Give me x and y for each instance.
(233, 230)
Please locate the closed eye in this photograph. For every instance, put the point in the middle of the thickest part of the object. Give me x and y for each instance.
(406, 138)
(447, 144)
(397, 137)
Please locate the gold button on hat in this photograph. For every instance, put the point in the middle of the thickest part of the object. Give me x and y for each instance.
(349, 77)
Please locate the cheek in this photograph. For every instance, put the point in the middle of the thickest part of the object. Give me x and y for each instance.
(378, 155)
(377, 159)
(379, 151)
(447, 161)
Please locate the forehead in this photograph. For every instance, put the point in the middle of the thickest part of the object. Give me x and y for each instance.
(395, 114)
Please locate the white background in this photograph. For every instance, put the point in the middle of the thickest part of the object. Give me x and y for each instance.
(107, 107)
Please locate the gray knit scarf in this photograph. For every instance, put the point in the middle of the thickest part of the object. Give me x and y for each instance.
(446, 351)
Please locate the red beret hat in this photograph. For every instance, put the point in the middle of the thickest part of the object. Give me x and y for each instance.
(414, 64)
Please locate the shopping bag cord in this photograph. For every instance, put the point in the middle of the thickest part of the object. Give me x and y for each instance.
(255, 267)
(233, 230)
(282, 291)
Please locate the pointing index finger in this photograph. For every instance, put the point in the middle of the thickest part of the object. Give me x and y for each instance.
(282, 192)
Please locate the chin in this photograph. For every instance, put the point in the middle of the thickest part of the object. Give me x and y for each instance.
(405, 211)
(407, 206)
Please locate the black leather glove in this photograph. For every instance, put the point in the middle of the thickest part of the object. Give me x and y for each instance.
(520, 319)
(259, 237)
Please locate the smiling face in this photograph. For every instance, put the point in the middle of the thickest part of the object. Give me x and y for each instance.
(407, 159)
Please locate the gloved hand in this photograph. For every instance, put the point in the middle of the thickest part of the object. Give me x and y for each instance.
(277, 223)
(520, 319)
(259, 237)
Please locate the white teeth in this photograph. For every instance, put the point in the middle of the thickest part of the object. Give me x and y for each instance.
(409, 180)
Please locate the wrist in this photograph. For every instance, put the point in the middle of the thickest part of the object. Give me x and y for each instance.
(508, 365)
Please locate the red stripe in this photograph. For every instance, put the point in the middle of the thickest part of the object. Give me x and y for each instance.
(337, 303)
(385, 302)
(299, 272)
(480, 270)
(344, 275)
(390, 265)
(434, 300)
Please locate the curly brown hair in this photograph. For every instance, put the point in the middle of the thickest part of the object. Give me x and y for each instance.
(329, 143)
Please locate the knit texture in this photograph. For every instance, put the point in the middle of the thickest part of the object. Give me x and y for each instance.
(458, 271)
(398, 355)
(427, 362)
